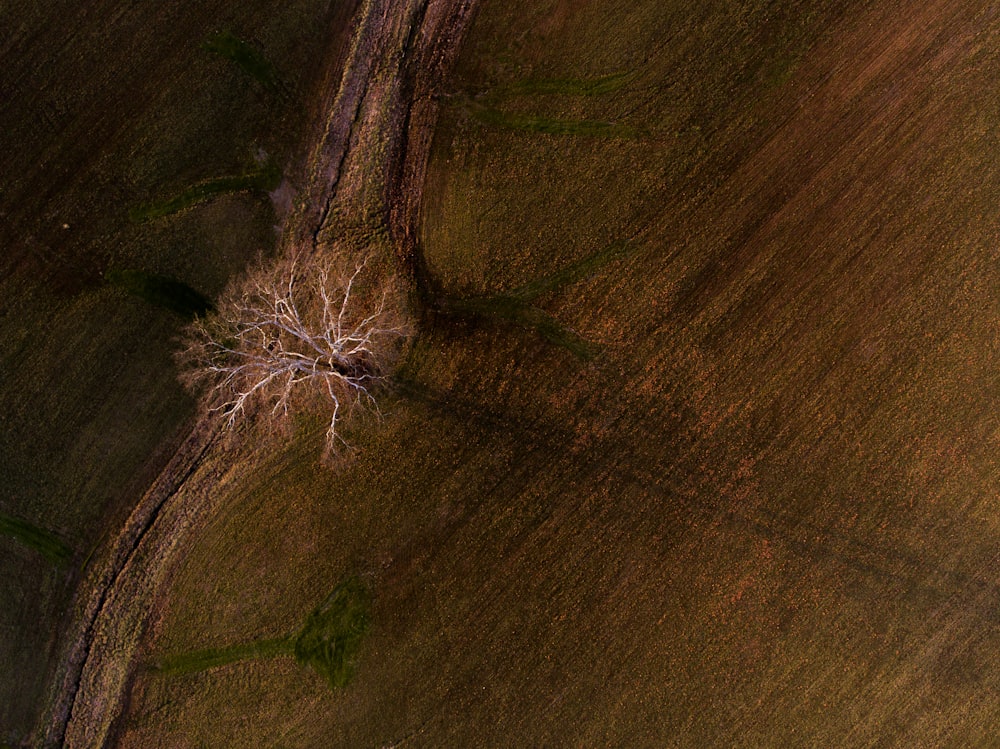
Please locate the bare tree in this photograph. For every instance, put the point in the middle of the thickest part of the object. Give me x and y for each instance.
(296, 333)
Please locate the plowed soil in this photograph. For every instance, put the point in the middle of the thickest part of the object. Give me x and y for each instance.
(764, 515)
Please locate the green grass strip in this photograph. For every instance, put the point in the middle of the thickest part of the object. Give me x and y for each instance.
(200, 660)
(328, 642)
(262, 180)
(44, 542)
(248, 58)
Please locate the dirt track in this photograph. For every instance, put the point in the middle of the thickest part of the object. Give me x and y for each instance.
(366, 167)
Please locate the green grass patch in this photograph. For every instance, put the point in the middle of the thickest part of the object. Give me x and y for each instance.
(248, 58)
(44, 542)
(574, 272)
(327, 643)
(781, 69)
(265, 179)
(491, 115)
(330, 640)
(161, 291)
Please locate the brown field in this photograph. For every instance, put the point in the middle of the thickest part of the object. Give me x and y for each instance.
(105, 106)
(761, 516)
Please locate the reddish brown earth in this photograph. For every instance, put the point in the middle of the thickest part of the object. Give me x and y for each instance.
(766, 516)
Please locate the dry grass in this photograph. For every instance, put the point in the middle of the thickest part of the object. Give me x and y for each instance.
(104, 107)
(765, 517)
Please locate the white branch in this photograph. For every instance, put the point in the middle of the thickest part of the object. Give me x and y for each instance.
(297, 329)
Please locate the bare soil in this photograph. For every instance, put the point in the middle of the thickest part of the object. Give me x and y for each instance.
(765, 516)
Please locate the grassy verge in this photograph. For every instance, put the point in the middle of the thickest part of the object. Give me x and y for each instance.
(86, 377)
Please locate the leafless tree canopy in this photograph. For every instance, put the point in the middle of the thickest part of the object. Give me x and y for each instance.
(294, 334)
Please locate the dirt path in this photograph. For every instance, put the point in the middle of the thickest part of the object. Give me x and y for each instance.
(365, 171)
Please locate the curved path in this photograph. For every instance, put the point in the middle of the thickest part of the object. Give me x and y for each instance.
(365, 175)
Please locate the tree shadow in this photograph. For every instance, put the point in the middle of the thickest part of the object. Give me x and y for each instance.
(161, 291)
(517, 307)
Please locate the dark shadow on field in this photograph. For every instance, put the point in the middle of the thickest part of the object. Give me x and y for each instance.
(886, 570)
(633, 448)
(514, 311)
(461, 410)
(161, 291)
(517, 306)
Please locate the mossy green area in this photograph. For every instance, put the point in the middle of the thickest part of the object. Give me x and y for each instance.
(107, 106)
(260, 180)
(200, 660)
(763, 514)
(45, 543)
(565, 86)
(333, 633)
(328, 642)
(248, 57)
